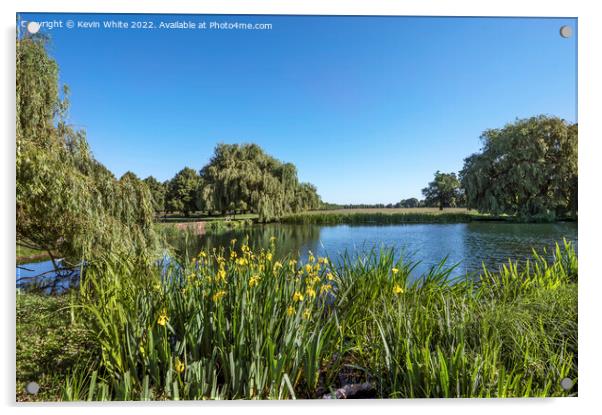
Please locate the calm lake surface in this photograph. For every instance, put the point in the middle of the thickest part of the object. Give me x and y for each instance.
(468, 245)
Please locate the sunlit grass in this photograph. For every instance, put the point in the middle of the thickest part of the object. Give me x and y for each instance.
(236, 324)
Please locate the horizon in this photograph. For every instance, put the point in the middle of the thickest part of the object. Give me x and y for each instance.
(380, 85)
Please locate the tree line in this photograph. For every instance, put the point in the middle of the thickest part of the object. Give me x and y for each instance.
(527, 169)
(239, 178)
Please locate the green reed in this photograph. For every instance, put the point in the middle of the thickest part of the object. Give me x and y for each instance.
(236, 324)
(380, 218)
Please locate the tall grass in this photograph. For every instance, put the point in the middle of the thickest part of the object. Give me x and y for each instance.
(230, 324)
(378, 217)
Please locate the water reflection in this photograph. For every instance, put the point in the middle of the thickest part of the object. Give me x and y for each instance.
(467, 245)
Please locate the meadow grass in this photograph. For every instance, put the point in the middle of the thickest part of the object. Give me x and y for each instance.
(241, 325)
(383, 216)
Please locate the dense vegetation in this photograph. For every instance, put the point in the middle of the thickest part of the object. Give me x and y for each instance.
(66, 201)
(232, 323)
(527, 169)
(381, 217)
(240, 324)
(444, 191)
(239, 178)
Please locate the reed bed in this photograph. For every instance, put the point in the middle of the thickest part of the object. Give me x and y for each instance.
(379, 217)
(237, 324)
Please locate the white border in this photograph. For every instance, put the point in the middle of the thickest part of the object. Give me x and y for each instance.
(590, 71)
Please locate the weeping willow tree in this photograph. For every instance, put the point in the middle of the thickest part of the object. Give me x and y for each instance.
(243, 178)
(527, 169)
(66, 201)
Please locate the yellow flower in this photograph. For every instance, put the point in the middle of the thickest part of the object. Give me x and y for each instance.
(323, 260)
(292, 263)
(163, 319)
(202, 254)
(254, 280)
(218, 296)
(397, 289)
(290, 311)
(269, 256)
(277, 265)
(221, 274)
(272, 238)
(311, 257)
(141, 350)
(232, 254)
(233, 241)
(308, 268)
(329, 277)
(310, 292)
(325, 288)
(307, 314)
(394, 271)
(297, 296)
(179, 365)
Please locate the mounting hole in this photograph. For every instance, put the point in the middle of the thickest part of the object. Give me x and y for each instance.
(32, 388)
(33, 27)
(566, 31)
(566, 383)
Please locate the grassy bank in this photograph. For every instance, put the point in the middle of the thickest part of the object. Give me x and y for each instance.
(242, 325)
(177, 218)
(383, 216)
(391, 216)
(25, 255)
(49, 345)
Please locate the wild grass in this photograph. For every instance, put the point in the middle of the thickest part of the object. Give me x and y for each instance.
(236, 324)
(379, 216)
(49, 345)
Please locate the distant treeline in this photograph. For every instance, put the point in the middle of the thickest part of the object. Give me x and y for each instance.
(404, 203)
(527, 170)
(239, 178)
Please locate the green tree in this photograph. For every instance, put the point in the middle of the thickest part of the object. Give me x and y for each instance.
(182, 191)
(528, 169)
(409, 203)
(242, 178)
(158, 191)
(66, 201)
(443, 191)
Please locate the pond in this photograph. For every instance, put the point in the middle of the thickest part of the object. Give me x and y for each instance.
(467, 245)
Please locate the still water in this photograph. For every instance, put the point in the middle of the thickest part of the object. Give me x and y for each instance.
(467, 245)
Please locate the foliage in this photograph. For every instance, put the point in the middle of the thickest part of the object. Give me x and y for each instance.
(66, 201)
(528, 169)
(49, 345)
(443, 191)
(182, 191)
(243, 178)
(239, 324)
(409, 203)
(158, 191)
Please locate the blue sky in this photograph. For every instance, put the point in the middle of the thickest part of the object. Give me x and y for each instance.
(367, 108)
